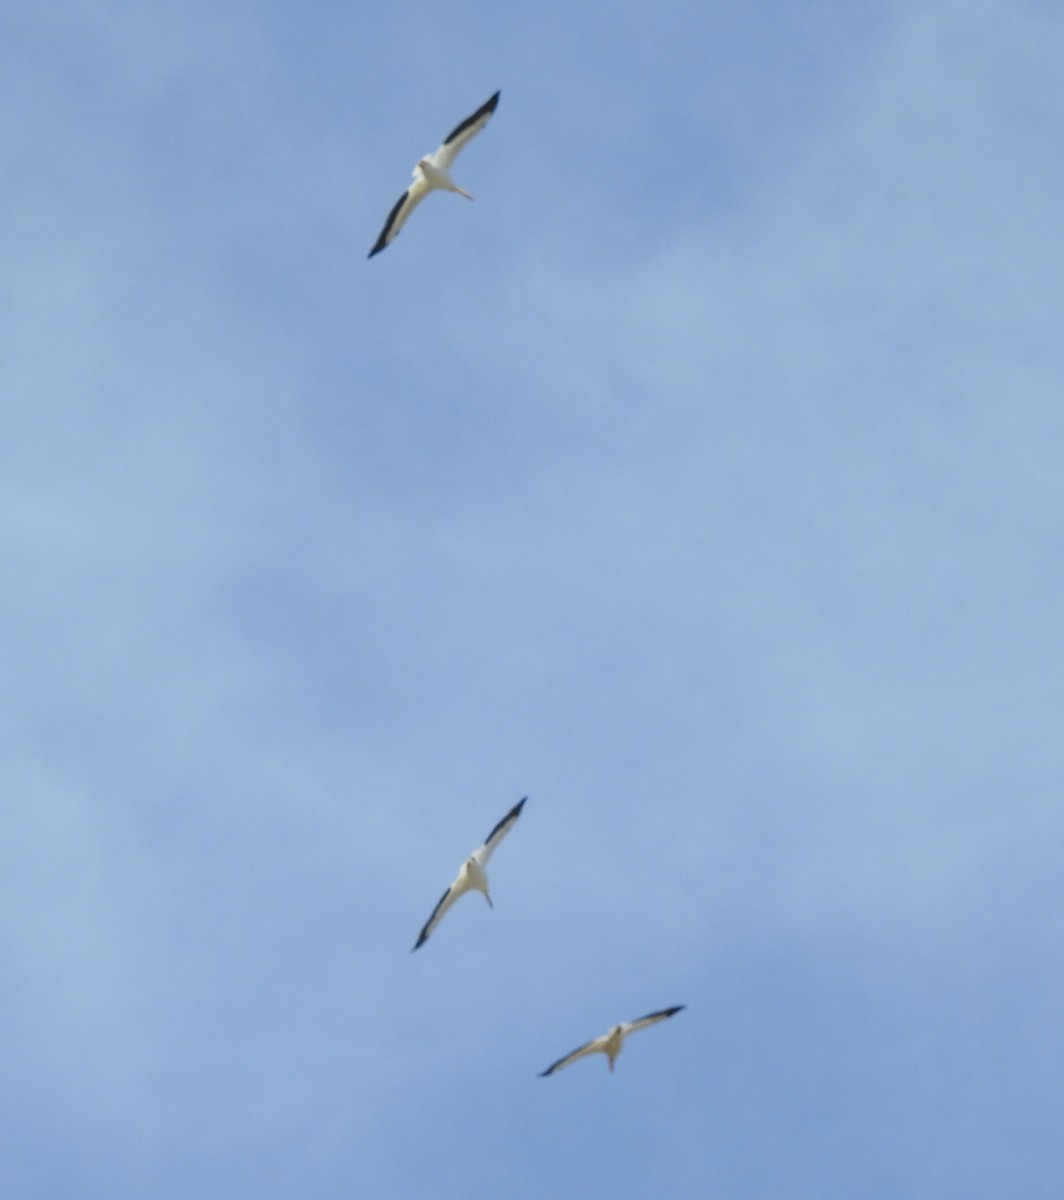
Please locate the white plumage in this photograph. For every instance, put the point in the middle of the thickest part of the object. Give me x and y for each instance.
(433, 171)
(471, 877)
(610, 1043)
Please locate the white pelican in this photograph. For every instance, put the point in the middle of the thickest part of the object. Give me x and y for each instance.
(471, 876)
(610, 1043)
(433, 171)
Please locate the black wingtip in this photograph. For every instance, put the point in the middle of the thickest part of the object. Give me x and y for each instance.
(385, 239)
(484, 111)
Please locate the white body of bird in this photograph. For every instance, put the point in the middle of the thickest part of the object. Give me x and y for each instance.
(434, 177)
(471, 878)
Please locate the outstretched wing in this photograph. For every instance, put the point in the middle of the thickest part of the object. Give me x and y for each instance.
(462, 134)
(651, 1019)
(404, 206)
(498, 833)
(445, 902)
(591, 1047)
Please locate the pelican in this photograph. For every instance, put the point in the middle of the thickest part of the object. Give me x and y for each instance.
(610, 1043)
(471, 876)
(433, 171)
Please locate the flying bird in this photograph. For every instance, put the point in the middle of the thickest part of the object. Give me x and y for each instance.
(471, 876)
(610, 1043)
(433, 171)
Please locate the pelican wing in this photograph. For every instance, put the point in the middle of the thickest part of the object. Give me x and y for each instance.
(498, 833)
(445, 902)
(651, 1019)
(591, 1047)
(462, 134)
(404, 206)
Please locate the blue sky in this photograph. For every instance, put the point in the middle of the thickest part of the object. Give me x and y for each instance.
(702, 480)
